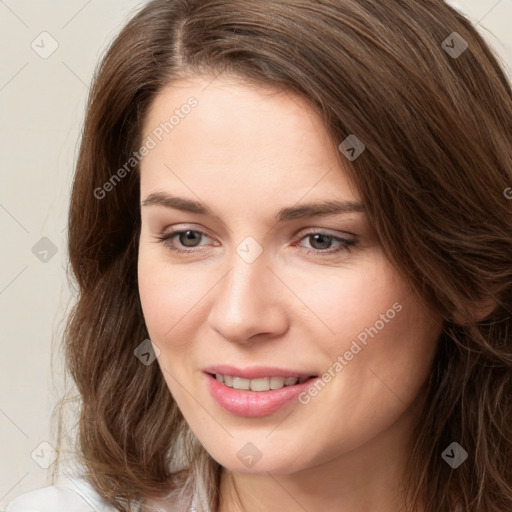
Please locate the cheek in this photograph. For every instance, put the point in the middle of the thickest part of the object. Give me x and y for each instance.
(154, 300)
(387, 356)
(157, 294)
(386, 342)
(349, 300)
(385, 337)
(404, 352)
(170, 298)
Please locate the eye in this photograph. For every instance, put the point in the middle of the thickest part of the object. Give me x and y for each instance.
(320, 241)
(190, 238)
(186, 237)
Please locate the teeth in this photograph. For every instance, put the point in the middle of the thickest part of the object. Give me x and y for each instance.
(264, 384)
(239, 383)
(276, 382)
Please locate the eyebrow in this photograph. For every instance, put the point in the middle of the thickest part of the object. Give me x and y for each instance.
(293, 212)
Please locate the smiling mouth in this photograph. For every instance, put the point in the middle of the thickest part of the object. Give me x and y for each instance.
(261, 384)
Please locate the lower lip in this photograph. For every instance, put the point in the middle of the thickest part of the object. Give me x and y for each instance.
(254, 403)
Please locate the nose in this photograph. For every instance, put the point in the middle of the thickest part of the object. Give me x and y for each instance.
(249, 301)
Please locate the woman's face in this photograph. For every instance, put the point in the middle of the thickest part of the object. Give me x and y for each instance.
(266, 285)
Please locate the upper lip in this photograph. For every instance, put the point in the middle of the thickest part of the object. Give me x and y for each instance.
(256, 372)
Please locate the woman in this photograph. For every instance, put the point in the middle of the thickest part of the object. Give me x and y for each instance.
(292, 237)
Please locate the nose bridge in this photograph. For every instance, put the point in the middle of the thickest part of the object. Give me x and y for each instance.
(248, 263)
(242, 307)
(245, 284)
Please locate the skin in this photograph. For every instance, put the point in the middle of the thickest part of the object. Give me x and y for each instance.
(246, 152)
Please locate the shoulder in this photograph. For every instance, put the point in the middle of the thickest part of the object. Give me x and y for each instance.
(72, 495)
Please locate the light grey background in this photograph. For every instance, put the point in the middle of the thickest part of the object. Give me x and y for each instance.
(42, 103)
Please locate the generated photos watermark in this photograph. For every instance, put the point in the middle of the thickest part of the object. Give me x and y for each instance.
(355, 348)
(149, 144)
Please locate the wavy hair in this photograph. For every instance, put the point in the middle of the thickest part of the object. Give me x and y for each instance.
(435, 178)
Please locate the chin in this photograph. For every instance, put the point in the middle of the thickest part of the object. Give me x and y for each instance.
(282, 464)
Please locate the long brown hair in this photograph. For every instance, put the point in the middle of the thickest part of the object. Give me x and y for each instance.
(435, 117)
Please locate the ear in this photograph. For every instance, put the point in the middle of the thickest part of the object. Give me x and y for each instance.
(476, 313)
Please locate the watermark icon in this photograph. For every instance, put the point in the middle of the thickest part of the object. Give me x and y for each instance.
(343, 360)
(147, 352)
(44, 455)
(454, 455)
(508, 193)
(148, 144)
(454, 45)
(44, 45)
(351, 147)
(249, 249)
(44, 250)
(249, 454)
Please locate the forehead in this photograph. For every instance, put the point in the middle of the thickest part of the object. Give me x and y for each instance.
(240, 137)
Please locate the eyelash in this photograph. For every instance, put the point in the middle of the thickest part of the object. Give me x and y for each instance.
(345, 245)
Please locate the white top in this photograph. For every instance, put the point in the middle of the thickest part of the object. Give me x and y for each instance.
(70, 494)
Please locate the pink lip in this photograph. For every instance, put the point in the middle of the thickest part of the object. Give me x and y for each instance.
(253, 403)
(256, 372)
